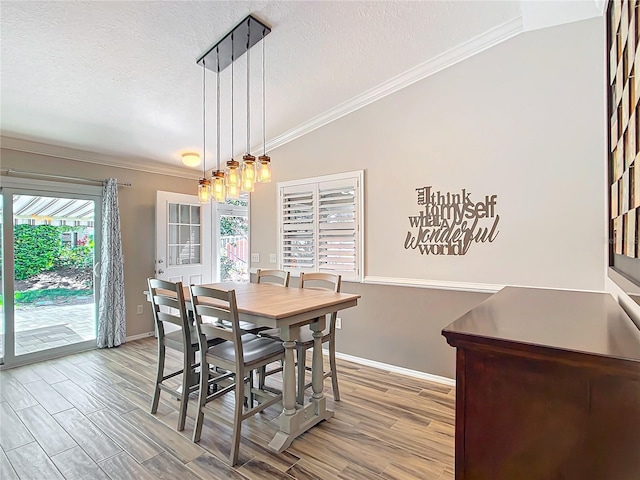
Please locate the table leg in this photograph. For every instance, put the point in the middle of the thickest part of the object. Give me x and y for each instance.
(296, 420)
(289, 379)
(317, 375)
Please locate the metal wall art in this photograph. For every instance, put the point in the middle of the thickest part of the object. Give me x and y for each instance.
(449, 223)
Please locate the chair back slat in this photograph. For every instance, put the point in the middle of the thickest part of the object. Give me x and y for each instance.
(169, 318)
(169, 294)
(274, 277)
(218, 306)
(321, 281)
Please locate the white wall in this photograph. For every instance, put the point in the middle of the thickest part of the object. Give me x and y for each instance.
(523, 120)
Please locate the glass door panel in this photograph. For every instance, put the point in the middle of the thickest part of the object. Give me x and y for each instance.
(49, 292)
(54, 242)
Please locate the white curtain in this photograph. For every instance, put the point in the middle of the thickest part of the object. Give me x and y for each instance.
(111, 313)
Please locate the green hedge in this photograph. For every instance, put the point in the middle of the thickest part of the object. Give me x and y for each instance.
(39, 248)
(36, 249)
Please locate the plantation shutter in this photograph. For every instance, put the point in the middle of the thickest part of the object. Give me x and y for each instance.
(298, 227)
(320, 225)
(338, 227)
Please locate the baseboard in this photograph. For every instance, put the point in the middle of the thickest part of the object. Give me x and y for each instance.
(395, 369)
(140, 336)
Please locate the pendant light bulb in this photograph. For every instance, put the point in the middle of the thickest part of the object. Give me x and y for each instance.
(218, 189)
(204, 190)
(248, 173)
(264, 169)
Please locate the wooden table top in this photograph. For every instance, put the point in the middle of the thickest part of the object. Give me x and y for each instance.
(273, 301)
(584, 322)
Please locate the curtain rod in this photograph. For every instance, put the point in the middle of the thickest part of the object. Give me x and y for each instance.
(11, 171)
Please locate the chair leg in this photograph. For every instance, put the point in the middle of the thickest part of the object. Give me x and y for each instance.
(184, 398)
(301, 355)
(159, 375)
(251, 396)
(334, 372)
(202, 398)
(237, 417)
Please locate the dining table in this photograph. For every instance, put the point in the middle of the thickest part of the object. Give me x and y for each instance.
(290, 309)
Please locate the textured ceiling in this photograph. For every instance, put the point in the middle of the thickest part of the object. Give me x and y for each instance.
(120, 78)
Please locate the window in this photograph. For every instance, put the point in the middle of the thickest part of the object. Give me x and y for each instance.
(321, 225)
(184, 234)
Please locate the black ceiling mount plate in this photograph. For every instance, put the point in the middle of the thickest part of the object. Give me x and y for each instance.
(234, 44)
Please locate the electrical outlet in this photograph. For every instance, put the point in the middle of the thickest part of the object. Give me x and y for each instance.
(255, 258)
(140, 310)
(273, 258)
(338, 323)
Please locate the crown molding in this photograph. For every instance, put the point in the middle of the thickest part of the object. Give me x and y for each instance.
(141, 165)
(478, 44)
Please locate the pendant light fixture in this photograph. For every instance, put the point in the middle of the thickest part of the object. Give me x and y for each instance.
(248, 160)
(228, 184)
(264, 161)
(218, 189)
(232, 175)
(204, 185)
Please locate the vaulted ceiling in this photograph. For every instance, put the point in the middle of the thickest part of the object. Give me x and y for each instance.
(117, 82)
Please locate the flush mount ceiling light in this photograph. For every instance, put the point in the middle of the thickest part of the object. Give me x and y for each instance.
(191, 159)
(237, 177)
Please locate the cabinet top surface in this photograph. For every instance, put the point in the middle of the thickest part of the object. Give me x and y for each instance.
(585, 322)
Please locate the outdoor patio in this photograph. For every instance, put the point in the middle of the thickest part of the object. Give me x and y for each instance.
(46, 326)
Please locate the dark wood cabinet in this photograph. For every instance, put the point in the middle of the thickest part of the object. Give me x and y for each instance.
(548, 387)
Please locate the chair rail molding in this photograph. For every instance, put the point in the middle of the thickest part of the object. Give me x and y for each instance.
(436, 284)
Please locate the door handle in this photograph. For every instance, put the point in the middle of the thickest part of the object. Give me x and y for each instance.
(160, 272)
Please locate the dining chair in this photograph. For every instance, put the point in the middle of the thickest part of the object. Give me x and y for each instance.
(320, 281)
(240, 354)
(185, 340)
(273, 277)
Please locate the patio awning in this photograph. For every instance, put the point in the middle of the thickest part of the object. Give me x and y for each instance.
(52, 210)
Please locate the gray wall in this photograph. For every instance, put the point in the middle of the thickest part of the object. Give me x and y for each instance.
(401, 325)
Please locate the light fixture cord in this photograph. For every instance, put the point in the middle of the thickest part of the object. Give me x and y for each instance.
(248, 93)
(264, 115)
(204, 120)
(218, 108)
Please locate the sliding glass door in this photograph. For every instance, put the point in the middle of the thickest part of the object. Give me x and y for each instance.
(50, 236)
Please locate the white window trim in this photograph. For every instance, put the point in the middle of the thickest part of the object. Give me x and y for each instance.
(358, 175)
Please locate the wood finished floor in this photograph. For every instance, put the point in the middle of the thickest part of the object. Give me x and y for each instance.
(86, 416)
